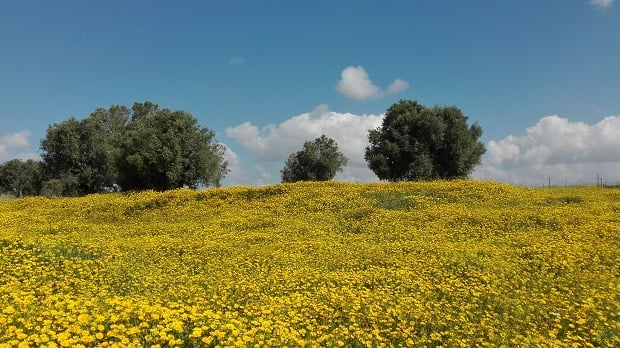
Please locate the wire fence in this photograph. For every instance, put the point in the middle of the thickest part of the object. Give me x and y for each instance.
(600, 182)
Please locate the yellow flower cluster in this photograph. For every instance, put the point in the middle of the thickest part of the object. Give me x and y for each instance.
(459, 263)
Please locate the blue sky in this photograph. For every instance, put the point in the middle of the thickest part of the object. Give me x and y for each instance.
(542, 78)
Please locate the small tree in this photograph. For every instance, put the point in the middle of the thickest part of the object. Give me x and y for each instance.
(21, 177)
(319, 160)
(418, 143)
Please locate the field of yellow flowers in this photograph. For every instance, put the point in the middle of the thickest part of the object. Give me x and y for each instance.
(460, 263)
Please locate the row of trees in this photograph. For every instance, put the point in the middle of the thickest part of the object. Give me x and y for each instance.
(150, 148)
(120, 149)
(413, 143)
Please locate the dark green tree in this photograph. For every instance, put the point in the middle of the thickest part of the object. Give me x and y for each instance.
(21, 178)
(62, 154)
(62, 185)
(140, 110)
(319, 160)
(164, 149)
(111, 121)
(77, 155)
(419, 143)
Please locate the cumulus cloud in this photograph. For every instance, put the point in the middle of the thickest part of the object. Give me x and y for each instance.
(603, 4)
(276, 142)
(568, 152)
(397, 86)
(237, 60)
(355, 83)
(235, 173)
(262, 176)
(14, 145)
(17, 140)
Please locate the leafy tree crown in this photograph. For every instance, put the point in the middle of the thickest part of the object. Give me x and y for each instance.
(318, 160)
(419, 143)
(142, 148)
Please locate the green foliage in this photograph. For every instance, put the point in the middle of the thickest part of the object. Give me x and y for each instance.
(164, 149)
(419, 143)
(111, 122)
(80, 151)
(141, 148)
(139, 110)
(319, 160)
(20, 177)
(61, 186)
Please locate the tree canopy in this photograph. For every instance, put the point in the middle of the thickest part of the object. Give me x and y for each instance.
(20, 178)
(318, 160)
(76, 154)
(419, 143)
(119, 148)
(165, 149)
(145, 147)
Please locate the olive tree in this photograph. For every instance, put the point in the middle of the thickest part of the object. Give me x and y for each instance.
(419, 143)
(164, 149)
(20, 178)
(318, 160)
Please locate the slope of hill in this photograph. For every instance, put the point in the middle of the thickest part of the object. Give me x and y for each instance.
(460, 263)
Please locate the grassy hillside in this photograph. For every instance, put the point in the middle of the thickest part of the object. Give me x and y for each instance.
(314, 264)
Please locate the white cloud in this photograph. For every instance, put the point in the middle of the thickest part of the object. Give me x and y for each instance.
(277, 142)
(356, 84)
(237, 60)
(235, 173)
(356, 173)
(568, 152)
(17, 140)
(263, 176)
(397, 86)
(601, 3)
(16, 145)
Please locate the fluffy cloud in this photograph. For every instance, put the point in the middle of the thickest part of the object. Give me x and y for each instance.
(356, 84)
(235, 173)
(397, 86)
(277, 142)
(17, 140)
(568, 152)
(601, 3)
(13, 145)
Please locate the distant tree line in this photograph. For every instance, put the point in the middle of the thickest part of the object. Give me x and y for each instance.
(145, 147)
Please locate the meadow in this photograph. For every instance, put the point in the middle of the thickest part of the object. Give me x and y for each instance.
(453, 264)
